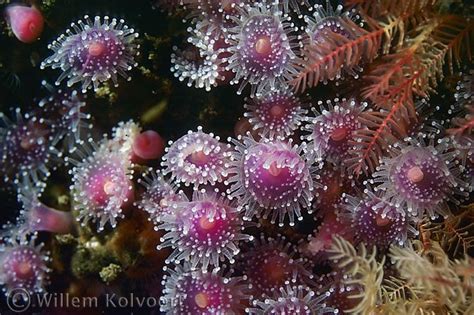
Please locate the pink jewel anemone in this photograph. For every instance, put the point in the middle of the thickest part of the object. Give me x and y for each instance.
(102, 185)
(23, 264)
(420, 178)
(276, 114)
(270, 178)
(262, 48)
(332, 129)
(204, 231)
(197, 158)
(188, 291)
(94, 52)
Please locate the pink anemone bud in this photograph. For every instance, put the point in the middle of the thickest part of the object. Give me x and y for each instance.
(26, 22)
(148, 145)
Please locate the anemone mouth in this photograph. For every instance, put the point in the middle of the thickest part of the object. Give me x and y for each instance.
(275, 171)
(109, 187)
(277, 111)
(206, 224)
(212, 232)
(383, 221)
(24, 270)
(102, 185)
(212, 228)
(339, 134)
(263, 45)
(26, 143)
(202, 300)
(198, 158)
(96, 49)
(415, 174)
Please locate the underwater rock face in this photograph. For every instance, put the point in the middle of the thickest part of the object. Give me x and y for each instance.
(237, 157)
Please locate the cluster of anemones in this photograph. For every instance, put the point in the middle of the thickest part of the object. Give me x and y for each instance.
(238, 42)
(233, 186)
(92, 52)
(268, 179)
(256, 43)
(209, 197)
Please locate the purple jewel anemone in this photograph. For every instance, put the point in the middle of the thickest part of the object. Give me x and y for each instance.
(331, 130)
(101, 185)
(420, 178)
(270, 178)
(197, 158)
(344, 293)
(276, 114)
(26, 149)
(292, 300)
(160, 197)
(204, 231)
(188, 291)
(261, 48)
(214, 15)
(199, 62)
(378, 223)
(92, 52)
(23, 264)
(326, 19)
(270, 263)
(64, 110)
